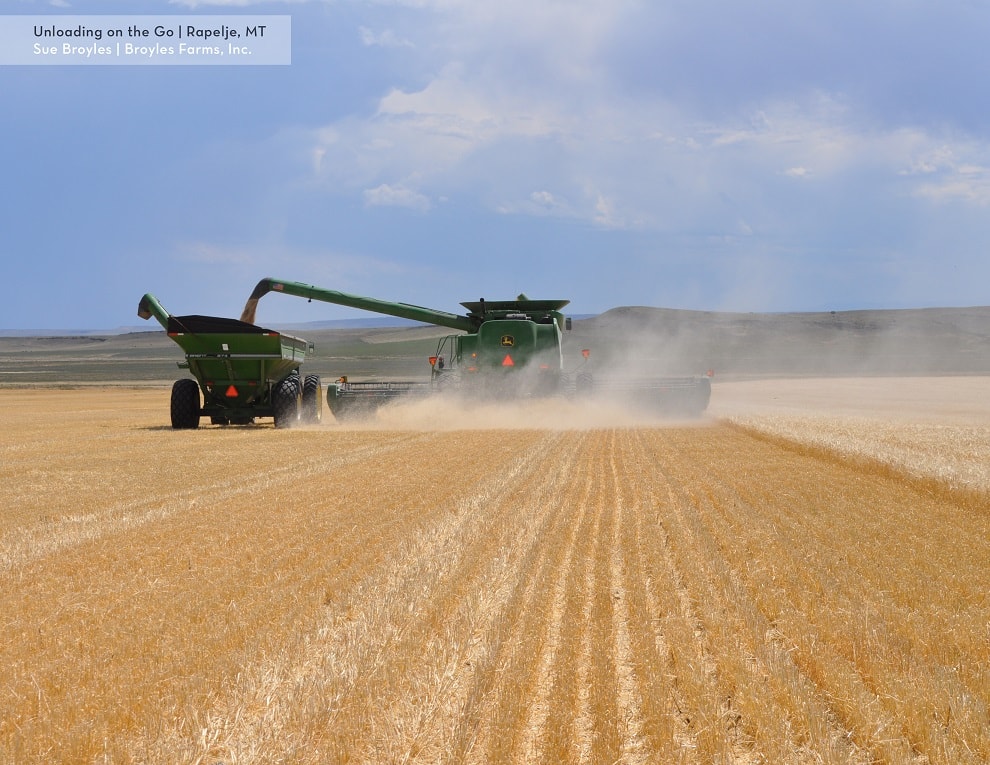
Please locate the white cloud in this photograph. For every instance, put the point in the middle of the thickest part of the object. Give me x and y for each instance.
(455, 105)
(931, 161)
(621, 165)
(605, 212)
(578, 112)
(970, 185)
(384, 39)
(537, 204)
(944, 172)
(396, 196)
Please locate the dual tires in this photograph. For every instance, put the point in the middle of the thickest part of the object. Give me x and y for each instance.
(297, 401)
(294, 401)
(312, 400)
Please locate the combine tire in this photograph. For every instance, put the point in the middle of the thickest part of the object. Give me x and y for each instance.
(702, 396)
(312, 400)
(285, 402)
(348, 410)
(185, 404)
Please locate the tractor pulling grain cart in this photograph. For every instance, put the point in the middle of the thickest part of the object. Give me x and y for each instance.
(507, 349)
(243, 372)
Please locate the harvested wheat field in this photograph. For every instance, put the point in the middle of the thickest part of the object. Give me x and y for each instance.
(727, 591)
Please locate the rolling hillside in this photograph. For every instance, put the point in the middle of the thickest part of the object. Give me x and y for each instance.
(634, 339)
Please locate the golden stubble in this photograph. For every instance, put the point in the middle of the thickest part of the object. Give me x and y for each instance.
(726, 593)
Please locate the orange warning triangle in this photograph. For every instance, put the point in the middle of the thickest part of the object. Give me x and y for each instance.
(231, 392)
(507, 361)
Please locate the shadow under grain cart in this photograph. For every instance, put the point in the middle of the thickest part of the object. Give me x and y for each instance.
(242, 372)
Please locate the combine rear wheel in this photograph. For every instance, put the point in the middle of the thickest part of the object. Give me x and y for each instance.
(702, 396)
(185, 404)
(312, 400)
(285, 402)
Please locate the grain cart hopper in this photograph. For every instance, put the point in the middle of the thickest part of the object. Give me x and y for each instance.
(242, 371)
(506, 349)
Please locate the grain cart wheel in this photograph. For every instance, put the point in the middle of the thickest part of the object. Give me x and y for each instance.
(185, 404)
(285, 402)
(312, 400)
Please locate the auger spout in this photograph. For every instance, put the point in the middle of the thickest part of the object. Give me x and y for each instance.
(149, 306)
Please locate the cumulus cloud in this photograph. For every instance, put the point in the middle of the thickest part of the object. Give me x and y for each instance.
(721, 130)
(621, 165)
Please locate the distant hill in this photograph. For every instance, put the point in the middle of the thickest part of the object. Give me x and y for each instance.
(909, 341)
(627, 340)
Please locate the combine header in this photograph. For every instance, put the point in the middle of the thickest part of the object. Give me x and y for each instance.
(506, 349)
(242, 371)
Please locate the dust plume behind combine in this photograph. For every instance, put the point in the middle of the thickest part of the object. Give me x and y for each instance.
(760, 361)
(448, 412)
(910, 342)
(908, 388)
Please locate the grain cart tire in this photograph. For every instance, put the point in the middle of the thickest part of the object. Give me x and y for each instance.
(285, 402)
(312, 400)
(185, 404)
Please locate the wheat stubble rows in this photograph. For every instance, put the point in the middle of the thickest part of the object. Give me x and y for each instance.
(680, 594)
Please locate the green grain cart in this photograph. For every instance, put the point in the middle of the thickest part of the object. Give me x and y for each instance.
(243, 372)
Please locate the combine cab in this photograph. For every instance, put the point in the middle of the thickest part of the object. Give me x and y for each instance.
(504, 350)
(242, 372)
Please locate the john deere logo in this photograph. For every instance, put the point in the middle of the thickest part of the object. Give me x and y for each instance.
(508, 341)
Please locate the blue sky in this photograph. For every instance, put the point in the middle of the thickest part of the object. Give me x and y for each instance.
(762, 156)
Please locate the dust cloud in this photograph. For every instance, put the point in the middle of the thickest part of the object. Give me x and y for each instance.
(902, 342)
(449, 412)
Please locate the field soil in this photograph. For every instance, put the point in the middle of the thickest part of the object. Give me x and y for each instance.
(799, 577)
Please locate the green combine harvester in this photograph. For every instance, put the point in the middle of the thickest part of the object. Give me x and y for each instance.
(242, 372)
(508, 349)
